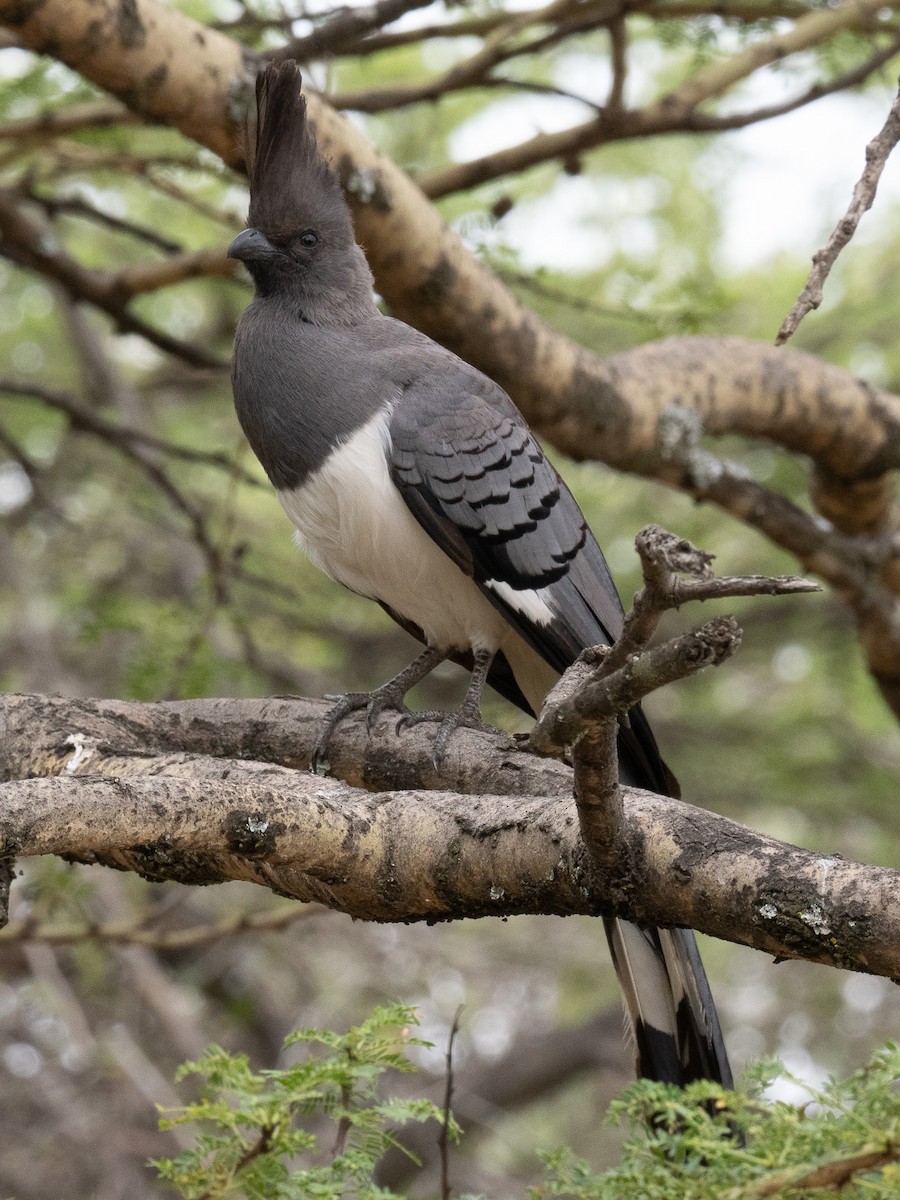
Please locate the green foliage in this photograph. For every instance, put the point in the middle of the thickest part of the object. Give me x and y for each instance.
(708, 1144)
(704, 1142)
(258, 1145)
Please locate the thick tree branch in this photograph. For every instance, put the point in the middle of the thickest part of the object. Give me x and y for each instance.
(392, 855)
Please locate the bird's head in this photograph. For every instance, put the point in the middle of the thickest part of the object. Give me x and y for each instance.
(299, 244)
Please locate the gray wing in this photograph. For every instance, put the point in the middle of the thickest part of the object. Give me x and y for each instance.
(478, 482)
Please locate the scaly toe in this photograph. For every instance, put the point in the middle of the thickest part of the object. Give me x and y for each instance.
(382, 702)
(408, 720)
(463, 718)
(344, 705)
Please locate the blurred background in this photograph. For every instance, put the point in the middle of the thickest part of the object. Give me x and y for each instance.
(155, 563)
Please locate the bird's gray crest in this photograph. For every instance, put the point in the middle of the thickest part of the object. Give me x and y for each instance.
(291, 185)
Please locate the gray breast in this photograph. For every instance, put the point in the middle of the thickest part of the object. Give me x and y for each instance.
(301, 389)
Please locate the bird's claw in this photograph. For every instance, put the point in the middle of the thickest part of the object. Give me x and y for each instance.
(461, 718)
(388, 699)
(375, 703)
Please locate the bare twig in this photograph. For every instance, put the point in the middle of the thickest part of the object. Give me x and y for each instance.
(26, 242)
(95, 114)
(663, 557)
(605, 695)
(584, 710)
(444, 1136)
(607, 681)
(344, 28)
(877, 153)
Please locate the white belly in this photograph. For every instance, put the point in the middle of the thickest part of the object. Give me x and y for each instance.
(352, 522)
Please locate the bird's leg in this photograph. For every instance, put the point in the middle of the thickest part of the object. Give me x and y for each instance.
(389, 696)
(467, 716)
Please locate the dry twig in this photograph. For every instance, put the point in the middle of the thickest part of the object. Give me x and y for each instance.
(585, 709)
(444, 1136)
(877, 154)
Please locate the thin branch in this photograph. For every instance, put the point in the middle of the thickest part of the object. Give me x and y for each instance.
(444, 1136)
(131, 449)
(498, 47)
(254, 1150)
(185, 264)
(27, 243)
(603, 694)
(79, 207)
(877, 154)
(664, 556)
(618, 39)
(584, 709)
(122, 435)
(94, 114)
(344, 1125)
(33, 472)
(745, 13)
(344, 28)
(678, 109)
(129, 282)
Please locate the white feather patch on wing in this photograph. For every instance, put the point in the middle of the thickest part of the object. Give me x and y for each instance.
(530, 602)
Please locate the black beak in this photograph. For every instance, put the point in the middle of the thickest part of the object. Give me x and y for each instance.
(250, 245)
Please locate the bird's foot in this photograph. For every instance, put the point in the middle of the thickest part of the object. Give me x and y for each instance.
(386, 698)
(465, 717)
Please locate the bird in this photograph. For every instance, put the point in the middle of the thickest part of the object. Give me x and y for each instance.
(412, 479)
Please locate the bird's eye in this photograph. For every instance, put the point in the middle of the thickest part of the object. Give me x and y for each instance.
(308, 239)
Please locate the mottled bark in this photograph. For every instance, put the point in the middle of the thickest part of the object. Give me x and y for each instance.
(168, 790)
